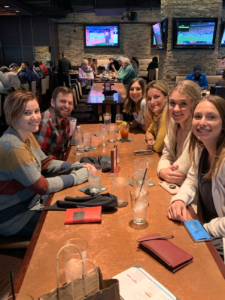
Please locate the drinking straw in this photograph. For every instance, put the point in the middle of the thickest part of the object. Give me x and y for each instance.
(12, 286)
(142, 182)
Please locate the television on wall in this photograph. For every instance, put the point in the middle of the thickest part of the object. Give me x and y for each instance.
(153, 39)
(198, 33)
(160, 32)
(222, 35)
(101, 35)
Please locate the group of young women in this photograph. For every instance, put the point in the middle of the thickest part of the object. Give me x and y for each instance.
(190, 133)
(187, 129)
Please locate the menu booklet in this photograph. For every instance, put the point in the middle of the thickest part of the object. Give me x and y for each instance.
(137, 284)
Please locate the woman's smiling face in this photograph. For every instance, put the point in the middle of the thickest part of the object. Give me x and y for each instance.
(156, 100)
(135, 92)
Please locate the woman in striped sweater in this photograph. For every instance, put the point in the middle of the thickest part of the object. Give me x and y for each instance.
(22, 166)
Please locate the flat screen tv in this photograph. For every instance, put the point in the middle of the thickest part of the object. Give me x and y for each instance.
(153, 39)
(222, 35)
(101, 35)
(157, 32)
(194, 33)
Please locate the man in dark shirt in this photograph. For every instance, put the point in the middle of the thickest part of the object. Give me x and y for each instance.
(64, 66)
(222, 81)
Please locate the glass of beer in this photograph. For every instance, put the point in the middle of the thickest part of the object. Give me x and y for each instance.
(119, 120)
(124, 130)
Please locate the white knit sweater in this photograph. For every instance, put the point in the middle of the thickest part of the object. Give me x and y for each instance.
(188, 191)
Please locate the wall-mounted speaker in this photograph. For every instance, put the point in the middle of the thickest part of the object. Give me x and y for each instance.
(132, 16)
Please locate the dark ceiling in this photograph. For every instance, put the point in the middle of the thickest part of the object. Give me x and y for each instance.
(60, 8)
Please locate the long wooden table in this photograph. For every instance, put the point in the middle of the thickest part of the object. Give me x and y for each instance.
(112, 244)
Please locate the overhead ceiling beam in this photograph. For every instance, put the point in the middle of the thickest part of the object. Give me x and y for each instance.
(20, 6)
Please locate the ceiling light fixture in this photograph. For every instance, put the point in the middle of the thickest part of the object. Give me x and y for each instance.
(17, 11)
(6, 6)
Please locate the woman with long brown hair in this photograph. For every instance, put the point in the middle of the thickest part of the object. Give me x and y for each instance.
(135, 104)
(205, 179)
(157, 94)
(174, 162)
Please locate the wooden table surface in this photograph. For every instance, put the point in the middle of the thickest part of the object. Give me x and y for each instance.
(96, 96)
(112, 244)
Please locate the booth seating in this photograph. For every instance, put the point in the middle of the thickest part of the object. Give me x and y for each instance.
(219, 71)
(143, 65)
(212, 79)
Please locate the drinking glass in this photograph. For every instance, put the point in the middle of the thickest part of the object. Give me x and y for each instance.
(103, 130)
(139, 183)
(79, 149)
(87, 140)
(107, 118)
(71, 257)
(124, 131)
(119, 120)
(120, 186)
(112, 133)
(140, 165)
(139, 205)
(94, 178)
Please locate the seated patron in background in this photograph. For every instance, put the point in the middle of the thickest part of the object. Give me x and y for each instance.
(94, 66)
(153, 64)
(53, 135)
(222, 81)
(156, 100)
(174, 162)
(108, 66)
(38, 70)
(86, 76)
(205, 178)
(23, 186)
(135, 64)
(221, 64)
(135, 104)
(13, 75)
(127, 73)
(117, 65)
(27, 74)
(43, 67)
(64, 67)
(198, 77)
(5, 83)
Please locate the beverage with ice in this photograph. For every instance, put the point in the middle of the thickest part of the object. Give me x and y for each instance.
(107, 118)
(112, 132)
(120, 186)
(124, 130)
(139, 205)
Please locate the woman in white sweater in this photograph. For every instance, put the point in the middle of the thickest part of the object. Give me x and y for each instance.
(175, 163)
(206, 177)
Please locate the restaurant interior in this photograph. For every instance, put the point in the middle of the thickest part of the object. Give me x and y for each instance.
(45, 30)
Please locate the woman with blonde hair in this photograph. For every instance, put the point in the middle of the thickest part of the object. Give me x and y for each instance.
(175, 163)
(205, 179)
(135, 104)
(156, 103)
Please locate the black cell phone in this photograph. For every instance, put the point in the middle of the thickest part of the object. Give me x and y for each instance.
(143, 152)
(197, 231)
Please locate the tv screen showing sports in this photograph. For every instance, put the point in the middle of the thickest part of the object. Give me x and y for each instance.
(101, 36)
(158, 34)
(195, 34)
(222, 44)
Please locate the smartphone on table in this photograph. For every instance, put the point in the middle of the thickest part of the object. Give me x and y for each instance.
(197, 231)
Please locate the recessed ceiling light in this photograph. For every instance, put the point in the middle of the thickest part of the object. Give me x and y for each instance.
(6, 6)
(17, 11)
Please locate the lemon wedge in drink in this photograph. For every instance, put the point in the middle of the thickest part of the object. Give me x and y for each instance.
(124, 123)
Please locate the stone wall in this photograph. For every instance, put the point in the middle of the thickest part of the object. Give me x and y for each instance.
(181, 62)
(135, 39)
(42, 53)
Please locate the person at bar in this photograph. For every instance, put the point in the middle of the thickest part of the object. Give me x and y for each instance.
(13, 75)
(198, 77)
(127, 73)
(205, 179)
(174, 162)
(85, 76)
(157, 95)
(64, 67)
(23, 167)
(53, 135)
(135, 104)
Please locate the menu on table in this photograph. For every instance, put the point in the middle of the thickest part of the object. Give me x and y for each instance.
(137, 284)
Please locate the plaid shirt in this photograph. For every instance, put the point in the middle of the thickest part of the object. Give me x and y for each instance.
(53, 138)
